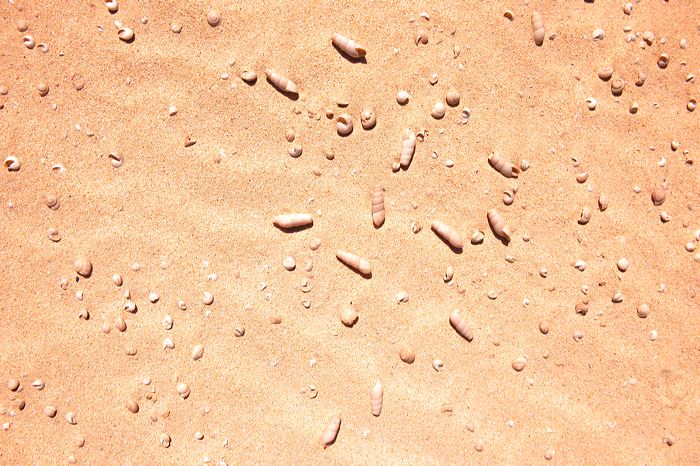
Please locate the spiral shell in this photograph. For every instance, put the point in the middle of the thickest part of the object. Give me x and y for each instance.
(280, 82)
(349, 46)
(368, 119)
(116, 159)
(408, 147)
(52, 201)
(461, 325)
(378, 214)
(83, 267)
(331, 432)
(112, 6)
(344, 124)
(498, 224)
(449, 234)
(12, 163)
(377, 396)
(126, 34)
(503, 166)
(585, 216)
(292, 220)
(537, 28)
(354, 262)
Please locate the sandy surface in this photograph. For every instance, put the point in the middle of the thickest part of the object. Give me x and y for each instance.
(184, 213)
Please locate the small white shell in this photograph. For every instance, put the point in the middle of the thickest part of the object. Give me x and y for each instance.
(348, 46)
(197, 352)
(28, 42)
(207, 298)
(112, 6)
(12, 163)
(126, 34)
(168, 343)
(344, 124)
(116, 159)
(438, 110)
(402, 97)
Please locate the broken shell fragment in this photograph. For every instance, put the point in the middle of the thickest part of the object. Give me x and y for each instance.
(378, 214)
(377, 398)
(348, 46)
(461, 326)
(12, 163)
(126, 34)
(249, 77)
(292, 220)
(449, 234)
(421, 37)
(197, 352)
(368, 119)
(116, 159)
(54, 235)
(281, 82)
(518, 364)
(498, 224)
(407, 355)
(354, 262)
(503, 166)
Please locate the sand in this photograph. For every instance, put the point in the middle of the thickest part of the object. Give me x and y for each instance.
(184, 213)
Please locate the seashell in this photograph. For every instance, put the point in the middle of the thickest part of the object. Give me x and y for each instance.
(354, 262)
(433, 79)
(438, 110)
(348, 317)
(376, 396)
(116, 159)
(503, 166)
(331, 432)
(438, 364)
(57, 168)
(164, 440)
(605, 73)
(126, 34)
(581, 306)
(43, 89)
(183, 389)
(348, 46)
(421, 37)
(132, 405)
(213, 18)
(658, 196)
(12, 163)
(452, 98)
(168, 343)
(378, 214)
(70, 417)
(627, 8)
(591, 103)
(582, 177)
(518, 364)
(602, 202)
(249, 77)
(498, 224)
(408, 148)
(585, 216)
(197, 352)
(617, 86)
(477, 237)
(663, 60)
(461, 325)
(449, 274)
(449, 234)
(295, 151)
(402, 97)
(280, 82)
(641, 78)
(643, 311)
(50, 411)
(52, 201)
(153, 297)
(239, 330)
(368, 119)
(207, 298)
(344, 124)
(537, 28)
(634, 107)
(509, 195)
(292, 220)
(54, 235)
(407, 355)
(692, 105)
(83, 267)
(598, 34)
(117, 279)
(120, 324)
(28, 42)
(38, 384)
(112, 6)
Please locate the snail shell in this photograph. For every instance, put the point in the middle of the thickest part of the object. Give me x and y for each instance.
(503, 166)
(408, 147)
(498, 224)
(449, 234)
(331, 432)
(281, 82)
(354, 261)
(378, 214)
(377, 397)
(344, 124)
(537, 28)
(349, 46)
(292, 220)
(52, 202)
(368, 119)
(461, 325)
(83, 267)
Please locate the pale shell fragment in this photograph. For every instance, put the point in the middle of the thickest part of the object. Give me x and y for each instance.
(28, 42)
(112, 6)
(12, 163)
(378, 214)
(183, 389)
(585, 216)
(518, 364)
(207, 298)
(368, 118)
(197, 352)
(126, 34)
(349, 316)
(116, 159)
(402, 97)
(83, 267)
(498, 224)
(376, 398)
(438, 110)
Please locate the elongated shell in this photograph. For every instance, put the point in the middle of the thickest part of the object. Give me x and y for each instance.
(292, 220)
(498, 224)
(354, 261)
(377, 398)
(449, 234)
(349, 46)
(281, 82)
(408, 147)
(331, 432)
(461, 325)
(378, 213)
(503, 166)
(537, 28)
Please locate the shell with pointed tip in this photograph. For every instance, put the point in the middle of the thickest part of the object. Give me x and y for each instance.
(349, 46)
(378, 214)
(449, 234)
(292, 220)
(461, 325)
(503, 166)
(377, 397)
(354, 262)
(537, 28)
(331, 432)
(281, 82)
(408, 147)
(498, 224)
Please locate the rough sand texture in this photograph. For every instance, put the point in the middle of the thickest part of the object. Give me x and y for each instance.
(171, 208)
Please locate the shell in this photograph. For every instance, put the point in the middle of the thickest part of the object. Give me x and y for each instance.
(658, 196)
(349, 46)
(83, 267)
(421, 37)
(408, 148)
(197, 352)
(12, 163)
(280, 82)
(120, 324)
(354, 262)
(438, 110)
(537, 28)
(585, 216)
(213, 18)
(452, 98)
(344, 124)
(126, 34)
(518, 364)
(378, 214)
(498, 224)
(52, 201)
(368, 119)
(292, 220)
(132, 406)
(402, 97)
(407, 355)
(348, 317)
(503, 166)
(663, 60)
(112, 6)
(617, 86)
(331, 432)
(183, 389)
(605, 73)
(448, 233)
(54, 235)
(376, 396)
(116, 159)
(249, 77)
(461, 325)
(28, 42)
